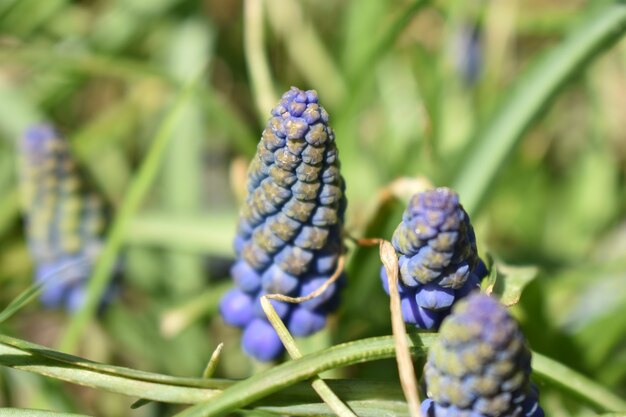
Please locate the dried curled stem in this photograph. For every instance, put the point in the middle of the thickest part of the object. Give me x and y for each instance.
(403, 354)
(296, 300)
(322, 389)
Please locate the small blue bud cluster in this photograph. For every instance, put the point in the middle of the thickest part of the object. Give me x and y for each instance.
(480, 365)
(289, 234)
(64, 218)
(438, 260)
(469, 54)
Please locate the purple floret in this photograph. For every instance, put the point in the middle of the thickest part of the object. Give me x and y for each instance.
(246, 278)
(259, 340)
(304, 322)
(434, 297)
(237, 308)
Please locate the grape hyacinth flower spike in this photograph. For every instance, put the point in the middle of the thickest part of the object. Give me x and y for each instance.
(437, 257)
(289, 234)
(480, 365)
(64, 219)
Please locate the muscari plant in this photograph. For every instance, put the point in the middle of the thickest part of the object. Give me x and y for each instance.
(289, 234)
(289, 242)
(437, 257)
(480, 365)
(504, 131)
(64, 218)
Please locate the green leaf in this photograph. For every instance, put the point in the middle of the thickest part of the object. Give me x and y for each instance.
(384, 42)
(38, 359)
(366, 398)
(28, 412)
(137, 190)
(297, 397)
(282, 376)
(197, 234)
(319, 385)
(304, 45)
(27, 356)
(489, 282)
(21, 112)
(602, 337)
(511, 282)
(17, 111)
(529, 98)
(506, 281)
(256, 58)
(21, 300)
(586, 390)
(28, 15)
(34, 290)
(9, 210)
(139, 403)
(178, 318)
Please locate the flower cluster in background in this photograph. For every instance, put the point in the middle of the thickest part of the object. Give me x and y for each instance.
(468, 54)
(64, 218)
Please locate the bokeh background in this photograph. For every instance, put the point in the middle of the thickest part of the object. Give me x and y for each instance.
(408, 85)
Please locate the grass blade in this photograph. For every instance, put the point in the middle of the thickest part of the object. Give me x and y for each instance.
(531, 95)
(30, 293)
(221, 111)
(195, 234)
(583, 388)
(212, 365)
(178, 318)
(384, 43)
(282, 376)
(318, 384)
(256, 60)
(16, 111)
(41, 360)
(137, 190)
(29, 412)
(30, 357)
(366, 398)
(307, 50)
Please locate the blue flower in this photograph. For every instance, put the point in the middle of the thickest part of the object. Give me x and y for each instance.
(437, 257)
(289, 234)
(64, 218)
(480, 365)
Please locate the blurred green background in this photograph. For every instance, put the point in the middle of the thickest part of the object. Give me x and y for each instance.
(409, 86)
